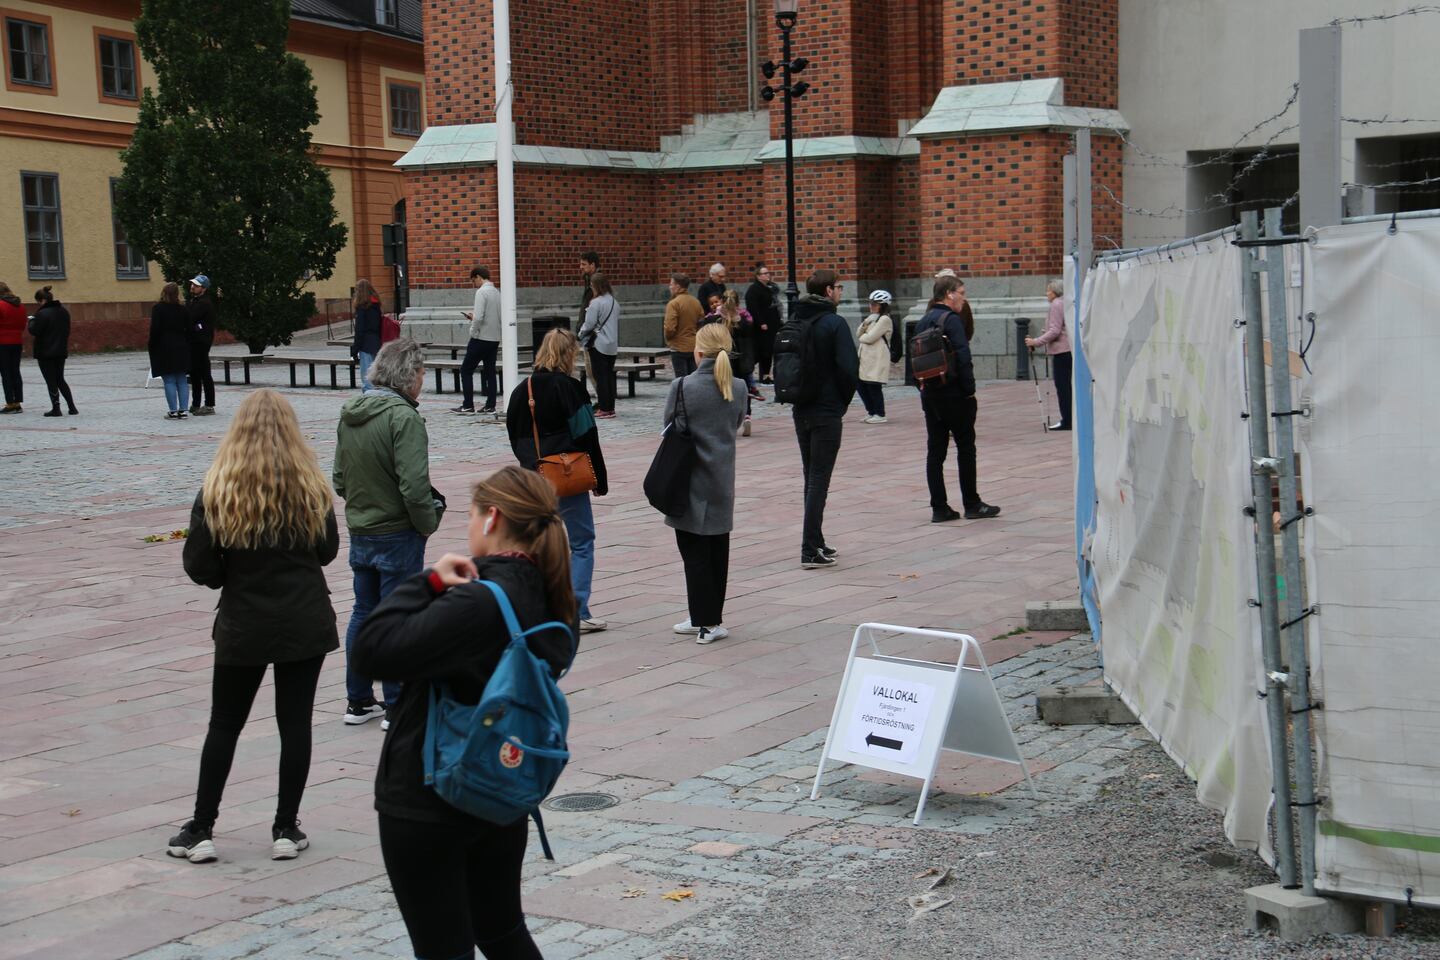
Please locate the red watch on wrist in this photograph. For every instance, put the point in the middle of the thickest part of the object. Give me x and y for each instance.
(433, 581)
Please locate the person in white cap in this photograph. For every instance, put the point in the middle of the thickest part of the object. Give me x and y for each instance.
(201, 315)
(875, 335)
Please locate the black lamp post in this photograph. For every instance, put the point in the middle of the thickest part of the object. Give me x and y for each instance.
(786, 14)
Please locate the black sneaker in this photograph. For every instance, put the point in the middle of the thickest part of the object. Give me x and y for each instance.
(289, 841)
(53, 413)
(463, 410)
(830, 552)
(944, 516)
(815, 561)
(983, 512)
(194, 843)
(357, 712)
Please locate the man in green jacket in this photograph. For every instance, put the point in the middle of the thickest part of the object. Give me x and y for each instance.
(382, 472)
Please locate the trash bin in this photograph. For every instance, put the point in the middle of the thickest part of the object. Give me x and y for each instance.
(909, 336)
(541, 325)
(1022, 352)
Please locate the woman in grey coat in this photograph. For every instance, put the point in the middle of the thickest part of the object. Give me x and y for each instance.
(710, 403)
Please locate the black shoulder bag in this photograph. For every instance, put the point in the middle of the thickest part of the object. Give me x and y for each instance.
(667, 482)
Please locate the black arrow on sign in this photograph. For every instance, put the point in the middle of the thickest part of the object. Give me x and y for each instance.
(873, 741)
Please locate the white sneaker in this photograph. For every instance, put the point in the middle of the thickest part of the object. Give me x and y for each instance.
(869, 418)
(593, 625)
(685, 627)
(876, 419)
(711, 634)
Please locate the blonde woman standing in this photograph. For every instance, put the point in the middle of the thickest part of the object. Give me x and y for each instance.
(261, 529)
(710, 404)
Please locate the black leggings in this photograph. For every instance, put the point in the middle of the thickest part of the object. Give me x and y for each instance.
(232, 693)
(54, 373)
(458, 887)
(707, 567)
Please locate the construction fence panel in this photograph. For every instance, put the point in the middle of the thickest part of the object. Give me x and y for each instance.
(1172, 551)
(1370, 459)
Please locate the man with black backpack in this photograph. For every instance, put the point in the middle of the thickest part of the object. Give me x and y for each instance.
(816, 370)
(940, 360)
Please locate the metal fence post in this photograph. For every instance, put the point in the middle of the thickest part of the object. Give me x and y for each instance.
(1262, 467)
(1293, 628)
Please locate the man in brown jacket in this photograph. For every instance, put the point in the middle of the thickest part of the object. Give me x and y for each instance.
(682, 318)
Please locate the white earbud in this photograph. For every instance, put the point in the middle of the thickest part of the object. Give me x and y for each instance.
(489, 525)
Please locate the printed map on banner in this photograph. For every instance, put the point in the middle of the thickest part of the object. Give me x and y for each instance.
(1173, 554)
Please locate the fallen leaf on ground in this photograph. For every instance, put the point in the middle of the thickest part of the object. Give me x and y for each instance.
(678, 895)
(927, 903)
(944, 878)
(631, 893)
(906, 576)
(73, 813)
(933, 871)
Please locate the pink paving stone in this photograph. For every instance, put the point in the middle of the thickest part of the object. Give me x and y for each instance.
(599, 898)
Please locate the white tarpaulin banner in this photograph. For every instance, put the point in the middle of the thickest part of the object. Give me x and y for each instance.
(1173, 553)
(1370, 458)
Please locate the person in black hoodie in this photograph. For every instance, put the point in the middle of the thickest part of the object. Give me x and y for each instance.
(950, 407)
(261, 529)
(202, 338)
(566, 424)
(456, 877)
(50, 326)
(170, 349)
(836, 368)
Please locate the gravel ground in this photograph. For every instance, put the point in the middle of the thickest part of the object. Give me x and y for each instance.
(1142, 871)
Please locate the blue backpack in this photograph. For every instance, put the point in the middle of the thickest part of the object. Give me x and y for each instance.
(497, 759)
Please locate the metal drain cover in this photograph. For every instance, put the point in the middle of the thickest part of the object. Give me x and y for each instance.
(580, 802)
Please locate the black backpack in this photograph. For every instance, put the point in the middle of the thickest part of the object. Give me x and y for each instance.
(895, 341)
(792, 365)
(931, 356)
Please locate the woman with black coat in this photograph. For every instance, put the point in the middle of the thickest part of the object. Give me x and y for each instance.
(566, 424)
(50, 326)
(261, 529)
(368, 331)
(170, 349)
(456, 877)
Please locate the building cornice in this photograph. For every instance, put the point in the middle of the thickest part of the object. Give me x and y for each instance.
(1010, 107)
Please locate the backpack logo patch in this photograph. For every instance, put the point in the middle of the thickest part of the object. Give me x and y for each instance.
(511, 756)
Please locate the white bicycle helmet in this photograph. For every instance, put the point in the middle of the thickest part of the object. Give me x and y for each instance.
(881, 296)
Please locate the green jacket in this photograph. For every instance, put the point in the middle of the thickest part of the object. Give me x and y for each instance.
(382, 466)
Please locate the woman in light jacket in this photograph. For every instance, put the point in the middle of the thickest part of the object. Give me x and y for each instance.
(600, 334)
(710, 403)
(875, 334)
(1057, 344)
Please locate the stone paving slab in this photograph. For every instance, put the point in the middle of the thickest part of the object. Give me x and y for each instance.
(106, 661)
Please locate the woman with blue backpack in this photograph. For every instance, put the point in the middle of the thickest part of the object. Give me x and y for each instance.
(452, 852)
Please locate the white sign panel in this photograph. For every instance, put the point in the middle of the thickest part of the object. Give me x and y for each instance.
(890, 716)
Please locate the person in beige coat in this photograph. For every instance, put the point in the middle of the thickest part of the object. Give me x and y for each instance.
(875, 334)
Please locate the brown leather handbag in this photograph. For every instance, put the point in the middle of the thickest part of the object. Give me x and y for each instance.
(569, 473)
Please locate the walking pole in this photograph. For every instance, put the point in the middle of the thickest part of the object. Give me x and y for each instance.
(1039, 395)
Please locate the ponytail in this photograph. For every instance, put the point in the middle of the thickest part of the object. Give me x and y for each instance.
(713, 340)
(530, 508)
(43, 295)
(723, 378)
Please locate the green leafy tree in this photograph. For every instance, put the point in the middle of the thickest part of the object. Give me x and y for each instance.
(220, 177)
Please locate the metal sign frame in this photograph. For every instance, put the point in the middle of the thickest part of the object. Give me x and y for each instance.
(974, 720)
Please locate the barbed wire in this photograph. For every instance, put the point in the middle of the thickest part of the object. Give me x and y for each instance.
(1367, 121)
(1376, 18)
(1394, 184)
(1176, 212)
(1224, 156)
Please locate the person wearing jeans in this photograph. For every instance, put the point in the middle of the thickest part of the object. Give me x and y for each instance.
(382, 471)
(265, 554)
(834, 367)
(483, 345)
(369, 324)
(169, 347)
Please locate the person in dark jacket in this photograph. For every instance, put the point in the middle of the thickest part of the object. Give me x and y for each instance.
(762, 299)
(456, 877)
(566, 424)
(367, 329)
(50, 326)
(12, 335)
(836, 368)
(202, 338)
(170, 349)
(950, 408)
(589, 266)
(714, 285)
(261, 529)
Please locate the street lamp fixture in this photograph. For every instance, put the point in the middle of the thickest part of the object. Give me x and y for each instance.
(787, 14)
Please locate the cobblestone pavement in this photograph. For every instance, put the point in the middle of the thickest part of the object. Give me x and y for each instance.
(732, 838)
(105, 664)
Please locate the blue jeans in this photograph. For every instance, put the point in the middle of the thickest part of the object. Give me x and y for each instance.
(177, 391)
(365, 360)
(580, 526)
(379, 563)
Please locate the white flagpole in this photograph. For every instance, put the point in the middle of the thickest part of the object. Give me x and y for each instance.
(505, 188)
